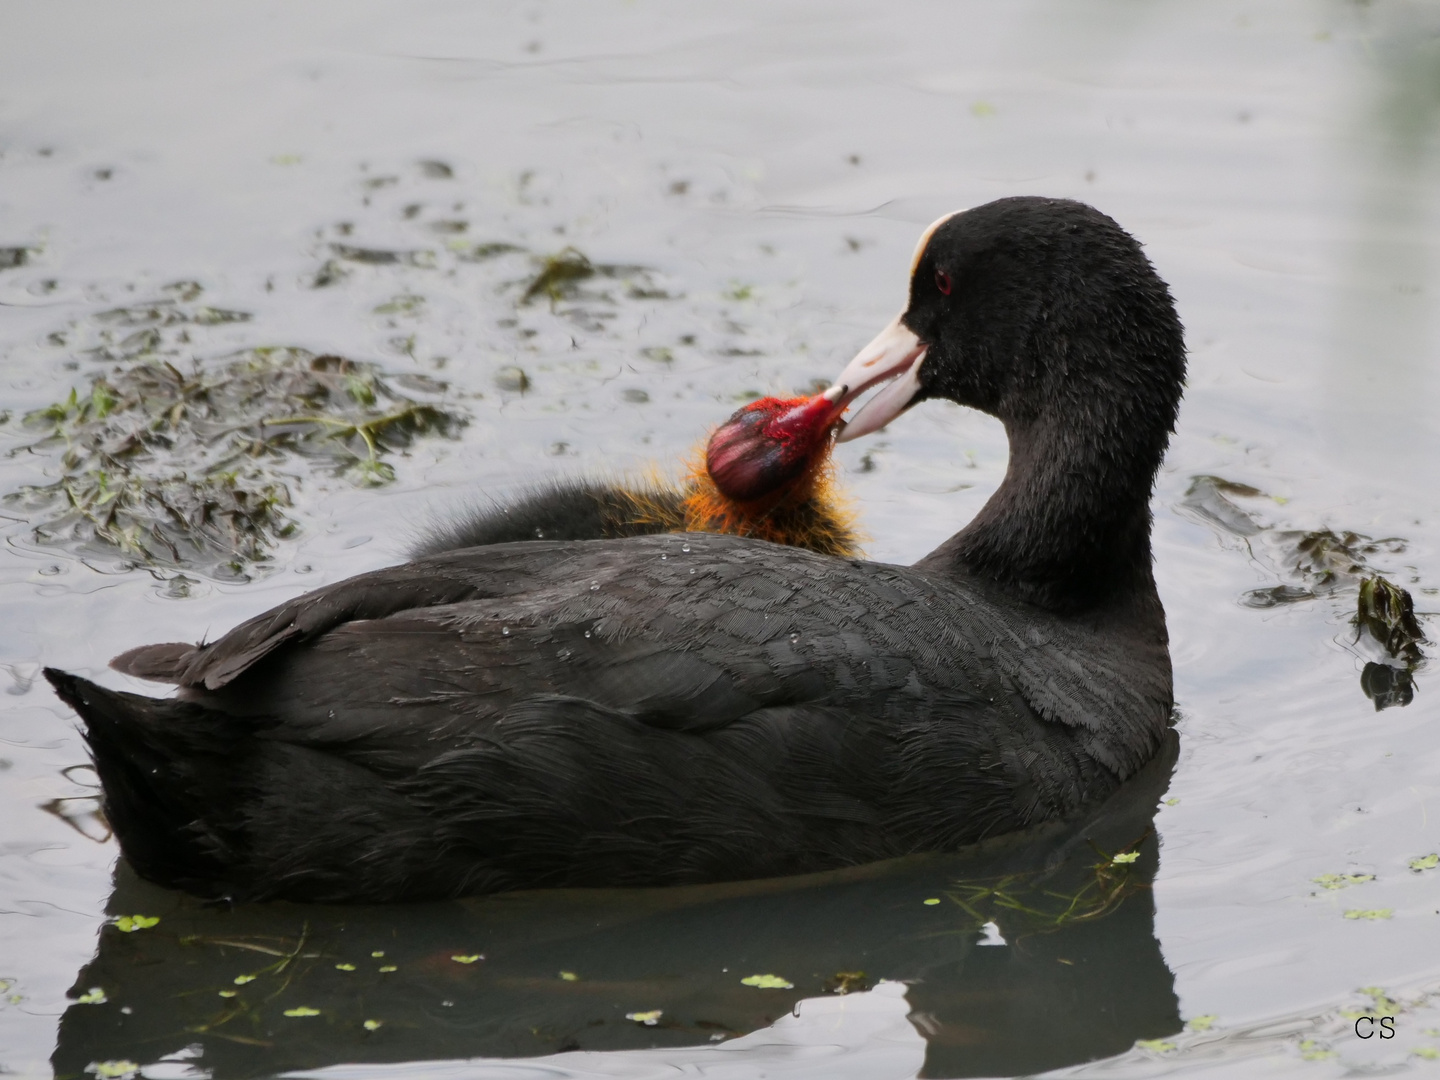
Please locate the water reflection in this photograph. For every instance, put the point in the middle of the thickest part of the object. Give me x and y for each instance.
(1021, 954)
(1383, 334)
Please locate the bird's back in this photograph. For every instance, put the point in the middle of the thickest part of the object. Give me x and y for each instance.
(658, 709)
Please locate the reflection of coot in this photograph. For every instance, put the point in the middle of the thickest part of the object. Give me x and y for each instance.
(1386, 685)
(673, 710)
(1080, 976)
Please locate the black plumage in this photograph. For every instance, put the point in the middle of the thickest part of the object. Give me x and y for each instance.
(682, 708)
(562, 510)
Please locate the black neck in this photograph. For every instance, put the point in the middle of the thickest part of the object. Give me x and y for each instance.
(1069, 527)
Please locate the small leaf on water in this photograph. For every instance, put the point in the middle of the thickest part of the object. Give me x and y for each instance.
(931, 902)
(1372, 914)
(128, 924)
(302, 1010)
(1425, 862)
(241, 980)
(227, 993)
(1310, 1050)
(512, 379)
(1202, 1023)
(468, 959)
(1429, 1053)
(569, 976)
(344, 967)
(1381, 1003)
(1341, 881)
(388, 967)
(93, 996)
(1172, 801)
(373, 1025)
(1155, 1046)
(1125, 858)
(557, 275)
(378, 953)
(767, 982)
(649, 1019)
(112, 1070)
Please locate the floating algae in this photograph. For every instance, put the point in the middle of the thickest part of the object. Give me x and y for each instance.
(191, 470)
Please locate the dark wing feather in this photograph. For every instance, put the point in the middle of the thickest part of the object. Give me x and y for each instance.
(658, 709)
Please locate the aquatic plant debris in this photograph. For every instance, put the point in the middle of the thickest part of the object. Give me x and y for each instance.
(569, 976)
(1325, 562)
(344, 967)
(767, 982)
(931, 902)
(192, 469)
(649, 1019)
(470, 959)
(1381, 1003)
(1155, 1046)
(847, 982)
(372, 1025)
(559, 276)
(302, 1010)
(1425, 862)
(241, 980)
(1311, 1050)
(1323, 559)
(1369, 914)
(13, 257)
(113, 1070)
(1125, 858)
(1202, 1023)
(94, 996)
(1341, 881)
(128, 924)
(512, 379)
(1028, 906)
(1387, 613)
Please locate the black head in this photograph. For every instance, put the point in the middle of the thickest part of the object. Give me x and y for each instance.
(1047, 315)
(1031, 306)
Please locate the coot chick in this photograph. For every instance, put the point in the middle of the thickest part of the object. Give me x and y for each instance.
(664, 709)
(765, 473)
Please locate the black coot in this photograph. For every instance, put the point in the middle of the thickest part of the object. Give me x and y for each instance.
(685, 708)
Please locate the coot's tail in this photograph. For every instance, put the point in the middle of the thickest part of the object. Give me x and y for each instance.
(161, 763)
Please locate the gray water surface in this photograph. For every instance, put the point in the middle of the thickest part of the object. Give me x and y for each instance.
(380, 181)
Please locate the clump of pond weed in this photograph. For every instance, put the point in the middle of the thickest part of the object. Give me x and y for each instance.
(1385, 614)
(192, 469)
(560, 276)
(1032, 903)
(1324, 562)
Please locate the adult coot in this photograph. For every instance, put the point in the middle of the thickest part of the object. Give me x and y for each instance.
(693, 707)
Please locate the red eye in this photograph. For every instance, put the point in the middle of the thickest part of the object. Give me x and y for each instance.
(942, 281)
